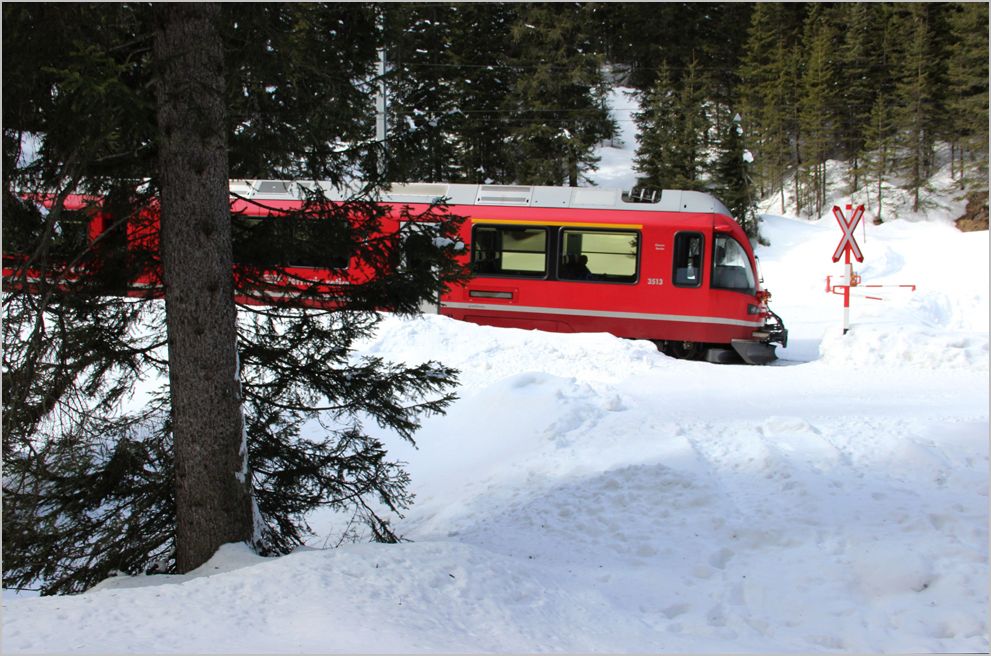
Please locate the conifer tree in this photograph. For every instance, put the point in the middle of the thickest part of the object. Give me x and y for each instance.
(673, 124)
(857, 76)
(484, 75)
(768, 94)
(657, 126)
(915, 111)
(816, 119)
(422, 100)
(968, 86)
(732, 179)
(559, 102)
(692, 130)
(639, 37)
(89, 483)
(213, 483)
(876, 156)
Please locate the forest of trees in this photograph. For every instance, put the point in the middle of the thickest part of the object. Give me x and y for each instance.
(516, 93)
(741, 99)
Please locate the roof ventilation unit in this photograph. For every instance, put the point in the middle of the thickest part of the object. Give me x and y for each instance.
(503, 195)
(271, 188)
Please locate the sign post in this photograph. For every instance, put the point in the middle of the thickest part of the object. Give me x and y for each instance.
(848, 244)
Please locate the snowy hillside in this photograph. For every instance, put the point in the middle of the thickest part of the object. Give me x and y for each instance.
(588, 493)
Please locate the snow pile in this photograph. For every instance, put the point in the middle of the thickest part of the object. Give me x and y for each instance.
(590, 494)
(493, 353)
(872, 345)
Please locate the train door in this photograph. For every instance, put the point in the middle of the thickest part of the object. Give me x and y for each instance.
(410, 232)
(688, 296)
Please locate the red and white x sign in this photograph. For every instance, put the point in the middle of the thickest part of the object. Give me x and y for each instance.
(848, 243)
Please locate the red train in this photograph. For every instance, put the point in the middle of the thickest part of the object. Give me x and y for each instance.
(677, 270)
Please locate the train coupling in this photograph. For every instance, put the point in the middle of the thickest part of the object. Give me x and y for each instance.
(773, 331)
(760, 349)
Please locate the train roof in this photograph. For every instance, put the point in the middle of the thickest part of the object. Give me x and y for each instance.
(668, 200)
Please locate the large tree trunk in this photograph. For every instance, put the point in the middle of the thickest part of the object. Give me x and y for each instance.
(213, 503)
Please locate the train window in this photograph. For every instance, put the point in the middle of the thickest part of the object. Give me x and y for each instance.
(688, 259)
(317, 243)
(509, 250)
(609, 256)
(731, 266)
(258, 240)
(272, 241)
(70, 234)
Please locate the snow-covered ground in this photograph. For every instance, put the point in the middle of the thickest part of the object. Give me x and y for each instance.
(587, 493)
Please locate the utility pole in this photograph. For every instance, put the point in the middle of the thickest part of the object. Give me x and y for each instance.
(382, 107)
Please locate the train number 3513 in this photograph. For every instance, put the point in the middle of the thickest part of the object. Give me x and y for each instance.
(655, 281)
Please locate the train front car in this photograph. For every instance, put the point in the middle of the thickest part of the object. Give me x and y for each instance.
(673, 268)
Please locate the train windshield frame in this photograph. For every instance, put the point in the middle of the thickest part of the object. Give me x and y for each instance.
(731, 267)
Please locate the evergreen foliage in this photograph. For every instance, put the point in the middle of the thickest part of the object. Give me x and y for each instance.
(876, 156)
(693, 132)
(674, 126)
(967, 75)
(916, 111)
(657, 124)
(491, 88)
(558, 107)
(479, 51)
(816, 122)
(732, 177)
(88, 479)
(768, 94)
(858, 62)
(300, 81)
(423, 102)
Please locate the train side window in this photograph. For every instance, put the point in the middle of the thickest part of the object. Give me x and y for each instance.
(70, 235)
(731, 266)
(257, 240)
(509, 251)
(317, 243)
(603, 255)
(272, 241)
(688, 259)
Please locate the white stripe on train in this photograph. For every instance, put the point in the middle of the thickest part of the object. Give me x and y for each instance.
(490, 307)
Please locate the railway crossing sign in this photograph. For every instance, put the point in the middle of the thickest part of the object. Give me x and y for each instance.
(848, 244)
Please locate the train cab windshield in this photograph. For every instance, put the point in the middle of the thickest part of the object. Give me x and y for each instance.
(731, 267)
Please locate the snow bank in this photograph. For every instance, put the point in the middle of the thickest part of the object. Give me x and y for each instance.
(588, 494)
(869, 346)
